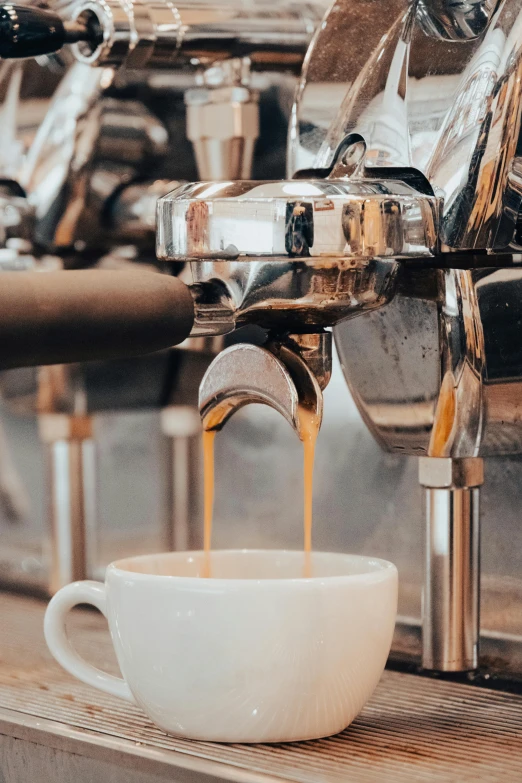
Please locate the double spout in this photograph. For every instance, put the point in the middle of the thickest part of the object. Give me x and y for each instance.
(287, 374)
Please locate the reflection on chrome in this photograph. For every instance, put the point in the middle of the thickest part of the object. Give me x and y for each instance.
(450, 110)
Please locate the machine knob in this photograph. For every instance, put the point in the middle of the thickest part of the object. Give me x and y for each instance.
(26, 31)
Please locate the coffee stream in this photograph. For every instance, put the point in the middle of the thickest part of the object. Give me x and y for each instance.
(309, 426)
(208, 487)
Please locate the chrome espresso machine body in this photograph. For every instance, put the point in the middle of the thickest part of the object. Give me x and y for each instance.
(397, 225)
(401, 208)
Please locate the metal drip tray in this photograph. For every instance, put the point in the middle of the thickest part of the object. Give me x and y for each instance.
(413, 729)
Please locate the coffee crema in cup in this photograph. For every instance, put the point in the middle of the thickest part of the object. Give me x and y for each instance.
(309, 426)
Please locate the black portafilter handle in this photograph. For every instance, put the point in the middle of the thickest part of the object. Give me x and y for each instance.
(26, 31)
(83, 315)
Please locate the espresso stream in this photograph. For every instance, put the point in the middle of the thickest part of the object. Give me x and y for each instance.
(309, 425)
(208, 489)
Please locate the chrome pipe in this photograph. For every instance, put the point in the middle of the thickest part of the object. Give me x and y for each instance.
(71, 482)
(159, 34)
(223, 126)
(272, 33)
(450, 626)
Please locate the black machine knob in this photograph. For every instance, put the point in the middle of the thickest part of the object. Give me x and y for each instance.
(26, 31)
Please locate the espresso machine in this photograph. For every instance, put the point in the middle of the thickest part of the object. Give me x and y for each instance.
(376, 286)
(400, 207)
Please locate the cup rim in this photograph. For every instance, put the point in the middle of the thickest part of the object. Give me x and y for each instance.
(383, 569)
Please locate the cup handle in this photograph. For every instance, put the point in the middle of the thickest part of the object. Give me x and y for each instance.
(60, 646)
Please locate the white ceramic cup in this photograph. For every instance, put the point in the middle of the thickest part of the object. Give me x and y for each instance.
(256, 653)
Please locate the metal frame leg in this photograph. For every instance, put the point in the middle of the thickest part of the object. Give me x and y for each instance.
(450, 625)
(71, 495)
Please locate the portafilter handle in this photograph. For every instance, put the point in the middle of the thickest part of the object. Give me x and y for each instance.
(82, 315)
